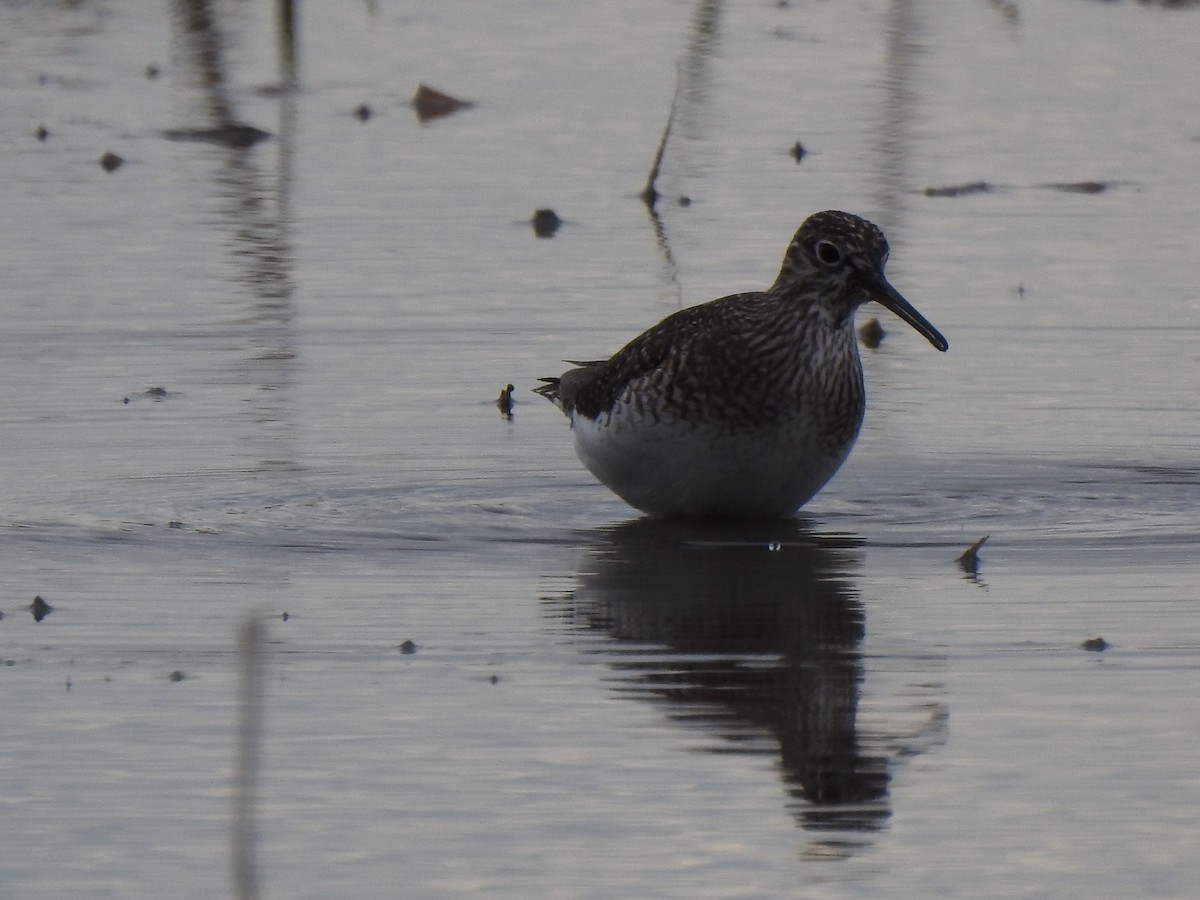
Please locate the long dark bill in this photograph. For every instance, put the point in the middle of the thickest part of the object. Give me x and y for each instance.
(886, 295)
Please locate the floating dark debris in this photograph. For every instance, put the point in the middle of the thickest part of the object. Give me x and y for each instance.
(685, 200)
(362, 112)
(152, 72)
(41, 134)
(40, 608)
(1079, 187)
(407, 648)
(969, 560)
(110, 162)
(798, 151)
(504, 402)
(545, 222)
(176, 676)
(275, 91)
(1008, 9)
(1095, 645)
(285, 615)
(431, 103)
(232, 135)
(871, 334)
(156, 394)
(959, 190)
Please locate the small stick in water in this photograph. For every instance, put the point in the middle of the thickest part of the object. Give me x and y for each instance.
(649, 193)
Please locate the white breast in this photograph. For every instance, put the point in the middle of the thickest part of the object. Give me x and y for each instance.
(685, 469)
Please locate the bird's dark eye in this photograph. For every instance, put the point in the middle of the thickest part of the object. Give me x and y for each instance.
(828, 253)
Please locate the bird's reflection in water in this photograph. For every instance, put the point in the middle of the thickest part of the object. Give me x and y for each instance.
(755, 632)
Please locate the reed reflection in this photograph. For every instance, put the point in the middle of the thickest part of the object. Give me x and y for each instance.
(254, 208)
(892, 138)
(761, 630)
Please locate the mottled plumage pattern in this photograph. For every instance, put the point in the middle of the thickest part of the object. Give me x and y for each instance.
(743, 406)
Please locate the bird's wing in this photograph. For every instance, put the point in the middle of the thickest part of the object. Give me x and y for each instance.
(591, 388)
(692, 333)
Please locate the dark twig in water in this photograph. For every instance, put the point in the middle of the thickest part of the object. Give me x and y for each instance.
(969, 560)
(649, 194)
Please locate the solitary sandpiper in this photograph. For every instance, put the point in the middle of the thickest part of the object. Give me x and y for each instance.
(744, 406)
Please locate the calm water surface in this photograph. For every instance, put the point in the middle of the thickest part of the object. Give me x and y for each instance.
(259, 381)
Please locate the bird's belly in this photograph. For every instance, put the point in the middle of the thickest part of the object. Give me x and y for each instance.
(684, 469)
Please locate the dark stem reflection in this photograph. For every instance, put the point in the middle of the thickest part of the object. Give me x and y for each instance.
(254, 211)
(757, 631)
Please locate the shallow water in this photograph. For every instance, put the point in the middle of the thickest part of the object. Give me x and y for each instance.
(597, 706)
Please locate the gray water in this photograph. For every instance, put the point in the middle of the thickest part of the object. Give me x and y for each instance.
(259, 382)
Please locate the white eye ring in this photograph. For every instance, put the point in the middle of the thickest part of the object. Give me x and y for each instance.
(828, 253)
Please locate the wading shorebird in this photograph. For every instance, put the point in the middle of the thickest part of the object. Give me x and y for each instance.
(742, 407)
